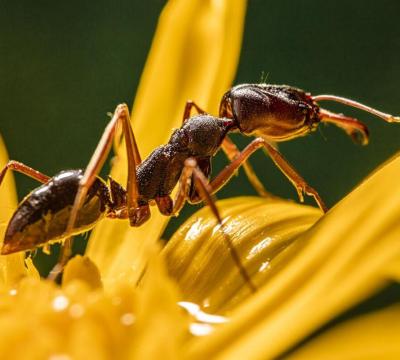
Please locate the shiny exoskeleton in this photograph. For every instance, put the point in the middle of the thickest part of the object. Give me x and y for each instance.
(72, 201)
(200, 137)
(43, 215)
(275, 112)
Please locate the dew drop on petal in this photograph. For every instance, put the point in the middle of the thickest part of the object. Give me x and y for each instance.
(60, 357)
(127, 319)
(13, 292)
(60, 303)
(198, 329)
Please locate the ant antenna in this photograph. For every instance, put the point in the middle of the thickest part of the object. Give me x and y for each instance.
(387, 117)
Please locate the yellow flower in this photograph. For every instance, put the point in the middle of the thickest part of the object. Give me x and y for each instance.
(120, 300)
(309, 269)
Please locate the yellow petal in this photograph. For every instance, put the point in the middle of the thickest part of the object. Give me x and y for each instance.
(83, 269)
(393, 269)
(11, 266)
(340, 261)
(193, 56)
(371, 336)
(262, 231)
(40, 320)
(161, 324)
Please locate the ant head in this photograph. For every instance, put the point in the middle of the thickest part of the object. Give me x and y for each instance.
(275, 112)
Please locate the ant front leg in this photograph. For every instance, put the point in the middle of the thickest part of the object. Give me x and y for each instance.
(232, 152)
(23, 169)
(299, 183)
(294, 177)
(136, 214)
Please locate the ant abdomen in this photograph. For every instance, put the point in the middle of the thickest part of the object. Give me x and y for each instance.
(43, 215)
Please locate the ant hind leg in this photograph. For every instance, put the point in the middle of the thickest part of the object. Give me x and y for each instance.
(205, 191)
(23, 169)
(136, 213)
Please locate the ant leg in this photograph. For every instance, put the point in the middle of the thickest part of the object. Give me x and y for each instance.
(172, 208)
(294, 177)
(299, 183)
(95, 164)
(232, 152)
(354, 128)
(188, 109)
(191, 170)
(23, 169)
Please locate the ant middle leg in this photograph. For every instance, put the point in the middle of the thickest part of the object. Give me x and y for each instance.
(23, 169)
(137, 214)
(190, 104)
(232, 152)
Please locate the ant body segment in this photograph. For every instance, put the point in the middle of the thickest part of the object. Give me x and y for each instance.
(72, 201)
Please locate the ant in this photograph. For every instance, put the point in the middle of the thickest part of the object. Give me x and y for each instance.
(72, 201)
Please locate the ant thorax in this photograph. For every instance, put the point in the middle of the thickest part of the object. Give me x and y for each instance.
(199, 137)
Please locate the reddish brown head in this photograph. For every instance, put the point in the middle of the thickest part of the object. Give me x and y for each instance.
(276, 112)
(281, 112)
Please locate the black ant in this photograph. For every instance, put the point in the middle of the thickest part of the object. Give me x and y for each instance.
(72, 201)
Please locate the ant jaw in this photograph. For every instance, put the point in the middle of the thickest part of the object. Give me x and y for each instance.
(394, 119)
(354, 128)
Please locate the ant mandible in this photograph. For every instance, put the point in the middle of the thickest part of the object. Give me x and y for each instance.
(72, 201)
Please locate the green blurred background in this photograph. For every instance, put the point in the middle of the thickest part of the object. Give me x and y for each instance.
(64, 65)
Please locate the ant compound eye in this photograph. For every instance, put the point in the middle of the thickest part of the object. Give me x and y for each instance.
(303, 108)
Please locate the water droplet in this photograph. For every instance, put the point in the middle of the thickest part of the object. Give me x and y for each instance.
(127, 319)
(60, 357)
(60, 303)
(198, 329)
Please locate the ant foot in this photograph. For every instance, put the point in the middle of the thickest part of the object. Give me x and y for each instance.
(139, 215)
